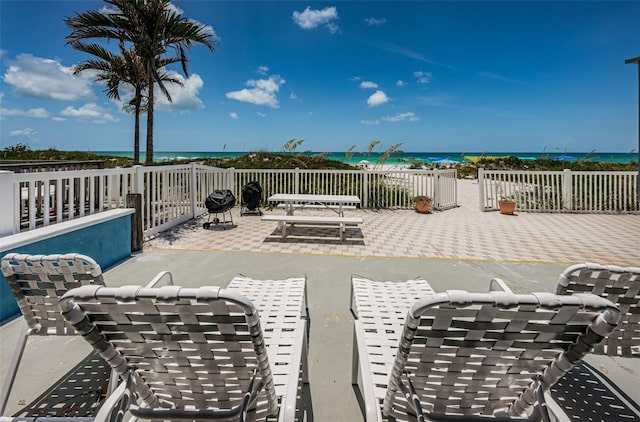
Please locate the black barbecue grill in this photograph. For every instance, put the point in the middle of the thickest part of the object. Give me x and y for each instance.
(219, 202)
(251, 197)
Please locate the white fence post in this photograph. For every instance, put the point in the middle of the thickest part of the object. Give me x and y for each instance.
(193, 189)
(296, 182)
(365, 188)
(9, 224)
(138, 184)
(230, 176)
(481, 188)
(436, 189)
(567, 190)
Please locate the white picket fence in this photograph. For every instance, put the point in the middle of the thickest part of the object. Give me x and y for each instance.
(174, 194)
(561, 191)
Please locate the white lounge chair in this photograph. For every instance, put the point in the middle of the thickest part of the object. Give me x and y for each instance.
(621, 285)
(37, 282)
(469, 356)
(586, 392)
(198, 353)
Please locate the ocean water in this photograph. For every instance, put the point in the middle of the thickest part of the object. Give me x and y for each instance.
(406, 157)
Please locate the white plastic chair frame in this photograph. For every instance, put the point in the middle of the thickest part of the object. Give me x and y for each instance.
(286, 322)
(574, 327)
(620, 285)
(379, 309)
(191, 353)
(477, 356)
(37, 282)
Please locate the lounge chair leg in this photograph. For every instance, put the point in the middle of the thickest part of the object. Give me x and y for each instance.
(305, 359)
(354, 361)
(13, 370)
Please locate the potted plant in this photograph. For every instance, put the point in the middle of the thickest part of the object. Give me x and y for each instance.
(507, 205)
(423, 203)
(506, 202)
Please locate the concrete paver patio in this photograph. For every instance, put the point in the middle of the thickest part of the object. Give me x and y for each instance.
(464, 232)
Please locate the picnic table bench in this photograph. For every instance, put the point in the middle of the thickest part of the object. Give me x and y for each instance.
(283, 220)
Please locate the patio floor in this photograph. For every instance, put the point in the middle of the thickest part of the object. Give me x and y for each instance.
(461, 248)
(464, 232)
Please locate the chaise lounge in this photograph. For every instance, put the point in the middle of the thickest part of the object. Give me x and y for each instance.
(469, 356)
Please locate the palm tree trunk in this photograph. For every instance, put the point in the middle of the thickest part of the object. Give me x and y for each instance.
(149, 152)
(136, 136)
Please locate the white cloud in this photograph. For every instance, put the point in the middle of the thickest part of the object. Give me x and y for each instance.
(370, 122)
(58, 119)
(263, 70)
(208, 28)
(234, 115)
(392, 48)
(368, 84)
(175, 9)
(91, 112)
(293, 96)
(498, 77)
(438, 100)
(26, 132)
(32, 112)
(423, 77)
(46, 79)
(375, 21)
(377, 98)
(183, 97)
(401, 83)
(310, 18)
(261, 91)
(402, 117)
(106, 10)
(261, 114)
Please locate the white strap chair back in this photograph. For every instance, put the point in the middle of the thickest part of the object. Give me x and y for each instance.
(621, 285)
(38, 281)
(188, 349)
(476, 353)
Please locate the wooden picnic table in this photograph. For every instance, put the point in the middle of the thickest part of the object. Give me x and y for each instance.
(336, 203)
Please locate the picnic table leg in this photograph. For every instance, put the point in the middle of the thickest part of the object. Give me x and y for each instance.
(343, 228)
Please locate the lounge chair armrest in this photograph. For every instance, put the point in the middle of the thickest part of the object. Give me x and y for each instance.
(554, 408)
(498, 285)
(159, 277)
(113, 402)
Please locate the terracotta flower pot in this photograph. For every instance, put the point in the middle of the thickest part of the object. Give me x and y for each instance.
(507, 206)
(423, 206)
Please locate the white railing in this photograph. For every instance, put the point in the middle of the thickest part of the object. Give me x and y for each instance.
(376, 188)
(174, 194)
(560, 191)
(40, 199)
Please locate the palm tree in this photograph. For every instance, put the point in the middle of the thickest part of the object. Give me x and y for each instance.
(115, 70)
(153, 29)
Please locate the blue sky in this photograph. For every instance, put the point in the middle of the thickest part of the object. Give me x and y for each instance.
(437, 76)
